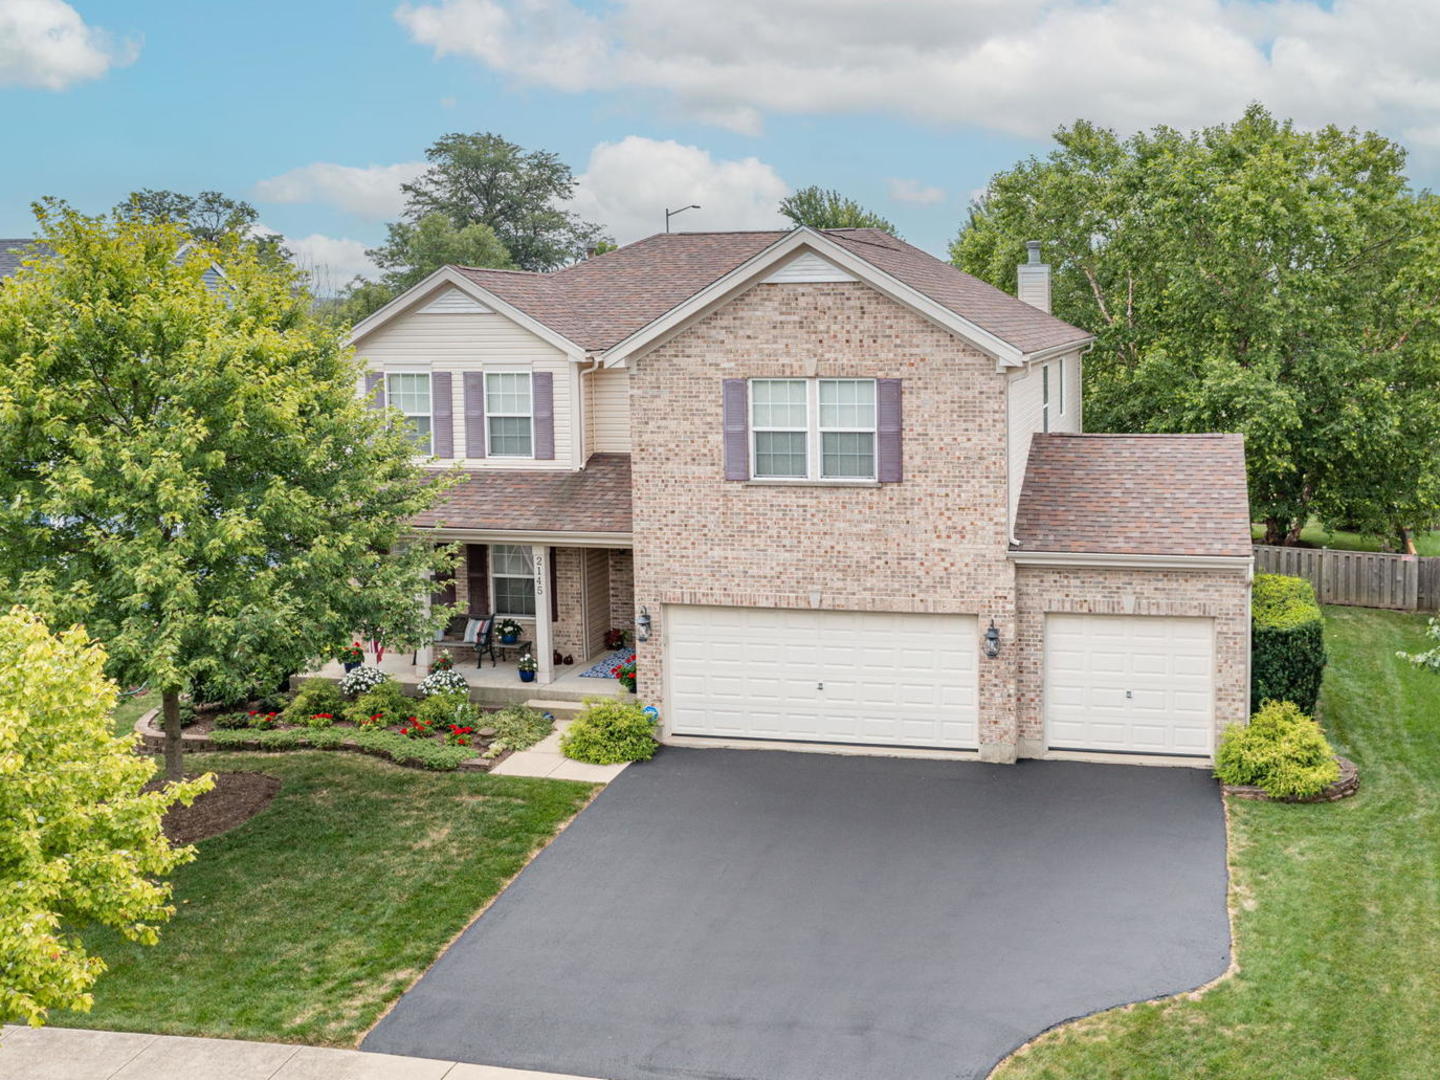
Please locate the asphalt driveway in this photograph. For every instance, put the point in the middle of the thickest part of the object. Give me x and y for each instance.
(761, 915)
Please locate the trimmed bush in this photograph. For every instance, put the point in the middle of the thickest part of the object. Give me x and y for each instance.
(315, 696)
(609, 732)
(1281, 751)
(439, 711)
(517, 727)
(1287, 642)
(386, 700)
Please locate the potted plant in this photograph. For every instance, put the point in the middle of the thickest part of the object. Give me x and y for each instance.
(352, 656)
(509, 631)
(614, 639)
(626, 675)
(526, 665)
(443, 662)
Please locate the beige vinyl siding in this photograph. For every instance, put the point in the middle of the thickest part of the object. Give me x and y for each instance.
(607, 400)
(1024, 397)
(471, 341)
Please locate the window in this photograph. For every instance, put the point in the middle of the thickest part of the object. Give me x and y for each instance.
(813, 429)
(508, 414)
(1044, 397)
(411, 395)
(512, 576)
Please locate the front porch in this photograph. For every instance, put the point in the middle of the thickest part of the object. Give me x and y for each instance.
(497, 685)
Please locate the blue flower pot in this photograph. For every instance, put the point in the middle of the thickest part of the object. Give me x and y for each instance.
(527, 676)
(509, 639)
(351, 665)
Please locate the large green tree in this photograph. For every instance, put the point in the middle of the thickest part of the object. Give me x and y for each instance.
(188, 471)
(825, 208)
(210, 217)
(1250, 277)
(484, 179)
(80, 838)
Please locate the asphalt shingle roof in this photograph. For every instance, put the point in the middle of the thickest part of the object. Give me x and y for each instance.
(596, 499)
(11, 252)
(1135, 495)
(601, 301)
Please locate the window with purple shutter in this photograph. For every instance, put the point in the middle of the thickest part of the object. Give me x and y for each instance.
(443, 409)
(543, 388)
(474, 387)
(736, 424)
(889, 424)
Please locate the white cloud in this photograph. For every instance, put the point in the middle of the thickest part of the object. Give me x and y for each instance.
(1019, 66)
(329, 261)
(628, 185)
(912, 191)
(47, 45)
(371, 192)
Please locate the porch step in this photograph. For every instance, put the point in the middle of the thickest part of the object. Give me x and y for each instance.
(561, 710)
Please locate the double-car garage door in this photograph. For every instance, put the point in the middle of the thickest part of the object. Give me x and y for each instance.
(879, 679)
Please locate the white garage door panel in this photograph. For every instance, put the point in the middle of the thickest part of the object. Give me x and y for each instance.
(1135, 683)
(884, 679)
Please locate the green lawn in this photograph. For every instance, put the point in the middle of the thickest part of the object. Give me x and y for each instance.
(1337, 909)
(1426, 543)
(304, 923)
(131, 709)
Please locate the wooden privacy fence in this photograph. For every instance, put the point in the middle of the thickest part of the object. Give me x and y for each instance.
(1359, 578)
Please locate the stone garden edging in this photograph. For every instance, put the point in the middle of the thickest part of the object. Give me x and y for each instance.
(153, 739)
(1343, 788)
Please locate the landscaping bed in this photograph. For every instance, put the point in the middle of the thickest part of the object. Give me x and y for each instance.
(303, 923)
(1337, 937)
(234, 800)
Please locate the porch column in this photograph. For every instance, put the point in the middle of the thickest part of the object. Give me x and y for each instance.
(544, 647)
(425, 654)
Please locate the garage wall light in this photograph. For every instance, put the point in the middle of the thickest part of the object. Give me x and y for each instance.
(642, 624)
(992, 641)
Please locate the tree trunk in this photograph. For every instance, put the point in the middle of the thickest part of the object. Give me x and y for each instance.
(1407, 542)
(1274, 531)
(1292, 537)
(174, 756)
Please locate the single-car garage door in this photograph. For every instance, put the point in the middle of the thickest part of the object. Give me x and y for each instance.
(1134, 683)
(823, 676)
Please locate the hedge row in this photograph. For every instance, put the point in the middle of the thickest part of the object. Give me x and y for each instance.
(1287, 644)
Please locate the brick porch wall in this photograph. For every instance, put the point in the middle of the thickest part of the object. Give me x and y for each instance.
(1224, 597)
(932, 543)
(622, 589)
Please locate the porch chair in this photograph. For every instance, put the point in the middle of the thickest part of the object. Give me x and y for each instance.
(480, 632)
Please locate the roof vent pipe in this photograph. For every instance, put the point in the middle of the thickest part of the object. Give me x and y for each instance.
(1034, 278)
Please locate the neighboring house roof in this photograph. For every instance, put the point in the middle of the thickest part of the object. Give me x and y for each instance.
(602, 301)
(595, 500)
(1135, 495)
(12, 252)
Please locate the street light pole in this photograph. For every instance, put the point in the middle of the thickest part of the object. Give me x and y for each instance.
(671, 213)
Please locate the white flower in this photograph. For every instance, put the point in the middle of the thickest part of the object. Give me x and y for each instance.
(443, 682)
(354, 683)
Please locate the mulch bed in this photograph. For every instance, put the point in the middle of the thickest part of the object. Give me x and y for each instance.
(234, 800)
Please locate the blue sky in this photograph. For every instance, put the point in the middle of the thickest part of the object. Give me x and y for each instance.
(315, 109)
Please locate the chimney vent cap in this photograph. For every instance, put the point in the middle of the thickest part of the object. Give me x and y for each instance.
(1032, 247)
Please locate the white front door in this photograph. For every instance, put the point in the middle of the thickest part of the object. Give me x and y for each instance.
(1134, 683)
(883, 679)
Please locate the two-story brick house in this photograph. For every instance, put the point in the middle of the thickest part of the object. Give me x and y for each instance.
(840, 490)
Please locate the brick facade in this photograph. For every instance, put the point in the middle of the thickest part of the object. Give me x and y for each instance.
(933, 543)
(1223, 596)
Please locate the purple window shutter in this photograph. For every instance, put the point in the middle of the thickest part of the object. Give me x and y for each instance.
(737, 429)
(443, 408)
(889, 455)
(474, 414)
(374, 380)
(542, 385)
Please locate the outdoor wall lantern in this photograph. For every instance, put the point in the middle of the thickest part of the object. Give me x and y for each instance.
(642, 625)
(992, 641)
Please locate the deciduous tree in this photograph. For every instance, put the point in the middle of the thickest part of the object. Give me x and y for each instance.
(1254, 278)
(188, 471)
(825, 208)
(80, 838)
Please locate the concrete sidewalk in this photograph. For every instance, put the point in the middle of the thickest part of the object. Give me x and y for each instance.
(75, 1054)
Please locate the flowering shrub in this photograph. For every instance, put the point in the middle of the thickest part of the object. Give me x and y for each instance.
(459, 736)
(626, 675)
(387, 699)
(415, 728)
(442, 710)
(264, 721)
(443, 682)
(363, 678)
(375, 720)
(351, 654)
(443, 662)
(314, 697)
(320, 720)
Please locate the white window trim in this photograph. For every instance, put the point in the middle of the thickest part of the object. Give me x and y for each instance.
(530, 374)
(814, 454)
(429, 449)
(1044, 398)
(494, 594)
(1060, 383)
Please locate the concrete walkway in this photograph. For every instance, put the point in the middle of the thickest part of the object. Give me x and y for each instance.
(544, 759)
(74, 1054)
